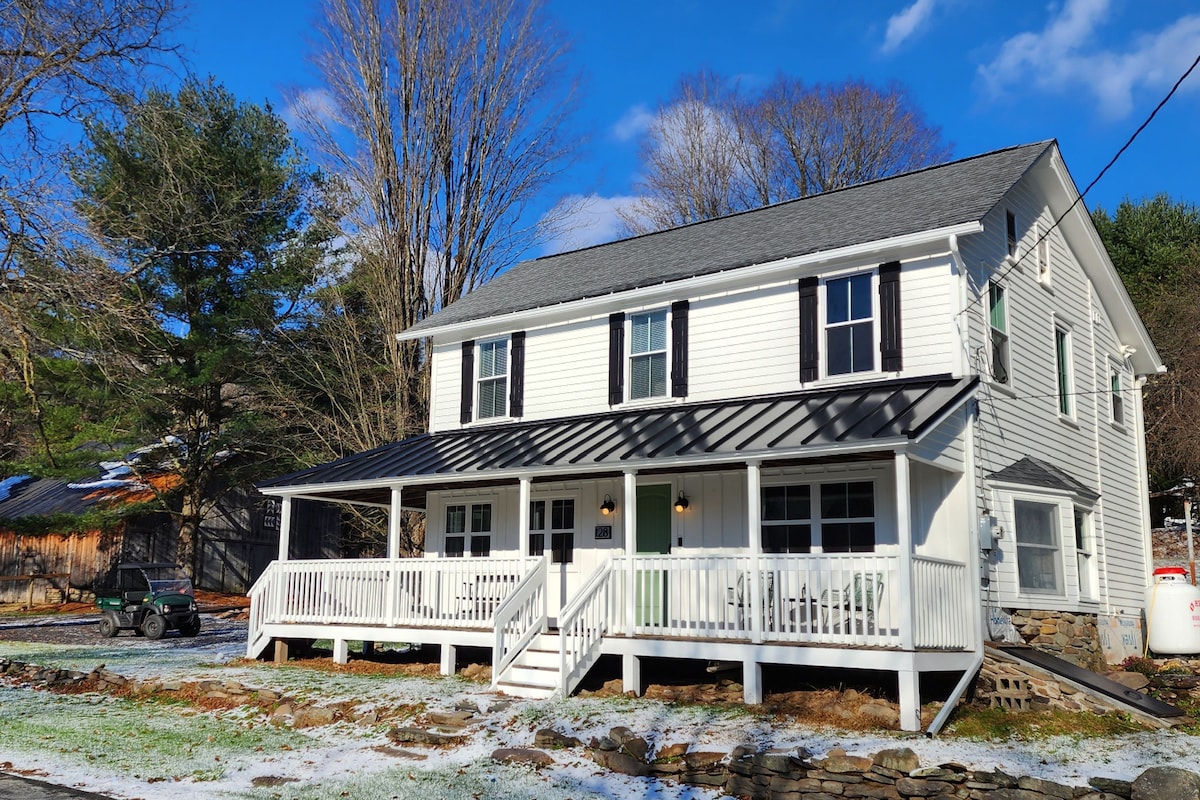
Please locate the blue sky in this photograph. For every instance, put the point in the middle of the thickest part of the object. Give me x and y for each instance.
(990, 73)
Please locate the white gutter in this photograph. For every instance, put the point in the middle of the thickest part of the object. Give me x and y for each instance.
(734, 276)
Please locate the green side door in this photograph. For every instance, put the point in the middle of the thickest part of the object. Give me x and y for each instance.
(653, 537)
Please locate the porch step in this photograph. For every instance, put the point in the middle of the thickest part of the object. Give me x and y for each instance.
(534, 673)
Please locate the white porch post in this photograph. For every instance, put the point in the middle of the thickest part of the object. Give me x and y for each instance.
(754, 527)
(909, 679)
(394, 519)
(630, 541)
(523, 519)
(285, 527)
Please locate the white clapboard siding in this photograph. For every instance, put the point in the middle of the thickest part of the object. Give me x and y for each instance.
(1023, 419)
(927, 330)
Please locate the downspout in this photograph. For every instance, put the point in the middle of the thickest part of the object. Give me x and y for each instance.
(960, 689)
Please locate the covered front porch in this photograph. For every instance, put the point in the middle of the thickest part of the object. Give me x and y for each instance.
(830, 530)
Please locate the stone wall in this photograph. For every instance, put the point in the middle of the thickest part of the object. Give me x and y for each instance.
(1071, 637)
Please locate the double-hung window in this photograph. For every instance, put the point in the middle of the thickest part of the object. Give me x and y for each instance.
(998, 333)
(480, 522)
(1063, 378)
(493, 378)
(848, 517)
(1039, 562)
(850, 342)
(648, 355)
(1117, 397)
(787, 519)
(1083, 553)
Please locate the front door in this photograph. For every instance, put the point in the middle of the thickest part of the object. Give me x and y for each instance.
(552, 530)
(653, 536)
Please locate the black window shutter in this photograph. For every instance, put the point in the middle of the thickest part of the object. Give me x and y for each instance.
(516, 375)
(889, 317)
(468, 381)
(810, 353)
(679, 348)
(616, 358)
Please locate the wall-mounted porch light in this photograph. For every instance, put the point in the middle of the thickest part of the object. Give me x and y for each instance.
(681, 503)
(607, 506)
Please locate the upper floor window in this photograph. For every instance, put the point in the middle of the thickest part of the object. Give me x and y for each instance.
(1043, 256)
(1117, 401)
(1065, 380)
(493, 378)
(1039, 565)
(998, 362)
(850, 342)
(1010, 228)
(1084, 547)
(648, 355)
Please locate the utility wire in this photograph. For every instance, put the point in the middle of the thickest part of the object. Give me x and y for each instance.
(1017, 262)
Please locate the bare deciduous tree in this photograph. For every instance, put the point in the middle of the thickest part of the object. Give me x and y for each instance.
(59, 60)
(443, 120)
(713, 150)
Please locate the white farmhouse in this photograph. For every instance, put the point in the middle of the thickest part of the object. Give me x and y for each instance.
(831, 432)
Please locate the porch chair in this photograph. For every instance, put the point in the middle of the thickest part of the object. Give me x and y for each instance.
(739, 599)
(857, 600)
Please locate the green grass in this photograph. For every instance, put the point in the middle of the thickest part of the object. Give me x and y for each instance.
(994, 724)
(147, 741)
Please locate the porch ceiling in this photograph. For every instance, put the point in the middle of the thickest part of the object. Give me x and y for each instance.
(791, 425)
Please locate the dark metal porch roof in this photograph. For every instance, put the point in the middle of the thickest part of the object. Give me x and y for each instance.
(785, 425)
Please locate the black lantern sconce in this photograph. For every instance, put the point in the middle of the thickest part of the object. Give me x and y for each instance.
(608, 506)
(681, 503)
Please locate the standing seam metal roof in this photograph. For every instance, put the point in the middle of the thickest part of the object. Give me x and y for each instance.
(934, 197)
(783, 424)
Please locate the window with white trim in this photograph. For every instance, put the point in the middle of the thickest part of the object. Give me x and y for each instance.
(492, 381)
(819, 518)
(1116, 397)
(1064, 377)
(1039, 560)
(850, 343)
(480, 521)
(1084, 553)
(1010, 230)
(558, 518)
(648, 355)
(998, 360)
(1043, 255)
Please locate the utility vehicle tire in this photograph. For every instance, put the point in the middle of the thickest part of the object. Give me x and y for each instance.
(109, 627)
(154, 626)
(190, 628)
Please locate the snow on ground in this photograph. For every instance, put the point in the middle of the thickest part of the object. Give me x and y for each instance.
(168, 751)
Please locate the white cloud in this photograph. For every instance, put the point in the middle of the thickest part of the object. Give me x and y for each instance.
(633, 123)
(585, 220)
(904, 25)
(316, 104)
(1067, 56)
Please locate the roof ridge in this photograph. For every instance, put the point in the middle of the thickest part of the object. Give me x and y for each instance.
(794, 200)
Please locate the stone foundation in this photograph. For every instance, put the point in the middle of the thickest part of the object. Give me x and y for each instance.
(1071, 637)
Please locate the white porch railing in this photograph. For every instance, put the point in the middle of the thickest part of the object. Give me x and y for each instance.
(519, 618)
(834, 599)
(840, 599)
(942, 618)
(581, 627)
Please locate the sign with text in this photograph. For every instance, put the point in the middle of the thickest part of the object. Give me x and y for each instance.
(604, 531)
(1120, 637)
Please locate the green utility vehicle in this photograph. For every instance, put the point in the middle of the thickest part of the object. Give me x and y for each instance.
(149, 599)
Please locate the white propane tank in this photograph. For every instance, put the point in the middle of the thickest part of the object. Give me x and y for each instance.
(1173, 613)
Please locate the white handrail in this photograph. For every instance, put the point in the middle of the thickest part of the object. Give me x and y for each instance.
(519, 618)
(581, 628)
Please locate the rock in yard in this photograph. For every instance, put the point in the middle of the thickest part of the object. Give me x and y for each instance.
(548, 737)
(901, 759)
(1166, 783)
(521, 755)
(312, 717)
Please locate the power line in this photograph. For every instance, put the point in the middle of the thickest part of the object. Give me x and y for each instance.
(1017, 262)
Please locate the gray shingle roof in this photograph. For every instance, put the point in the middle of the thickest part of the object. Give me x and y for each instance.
(935, 197)
(1031, 471)
(782, 425)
